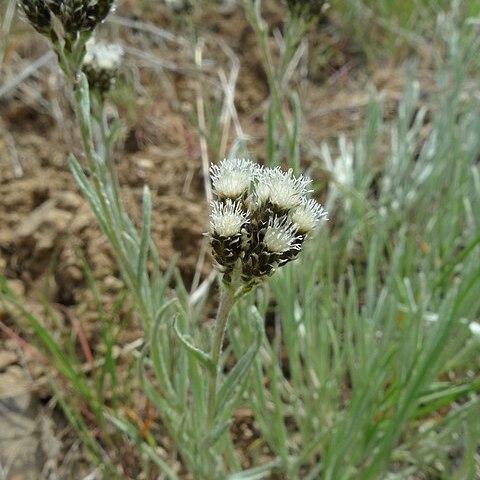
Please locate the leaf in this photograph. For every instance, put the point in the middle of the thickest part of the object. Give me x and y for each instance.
(239, 371)
(87, 191)
(294, 141)
(83, 99)
(165, 410)
(132, 432)
(256, 473)
(270, 140)
(156, 353)
(216, 434)
(194, 351)
(145, 238)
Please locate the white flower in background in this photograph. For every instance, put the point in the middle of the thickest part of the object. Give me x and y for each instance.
(103, 56)
(101, 63)
(342, 172)
(308, 215)
(281, 235)
(227, 219)
(281, 189)
(475, 329)
(232, 177)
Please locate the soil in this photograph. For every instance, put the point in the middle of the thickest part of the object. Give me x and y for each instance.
(45, 222)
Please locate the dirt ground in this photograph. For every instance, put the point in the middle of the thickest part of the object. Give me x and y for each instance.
(45, 222)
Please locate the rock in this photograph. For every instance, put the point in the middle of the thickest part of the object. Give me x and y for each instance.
(22, 429)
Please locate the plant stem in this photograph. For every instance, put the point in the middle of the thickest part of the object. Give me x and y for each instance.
(112, 214)
(227, 300)
(105, 145)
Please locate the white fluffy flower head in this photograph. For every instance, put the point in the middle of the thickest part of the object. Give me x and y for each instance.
(280, 188)
(308, 215)
(103, 56)
(233, 177)
(280, 235)
(227, 219)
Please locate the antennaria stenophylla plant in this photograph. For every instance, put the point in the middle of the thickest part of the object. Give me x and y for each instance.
(256, 227)
(365, 366)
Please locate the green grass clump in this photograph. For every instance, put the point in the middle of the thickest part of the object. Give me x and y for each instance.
(372, 367)
(395, 27)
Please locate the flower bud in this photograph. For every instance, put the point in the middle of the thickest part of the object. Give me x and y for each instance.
(101, 64)
(38, 14)
(81, 15)
(74, 15)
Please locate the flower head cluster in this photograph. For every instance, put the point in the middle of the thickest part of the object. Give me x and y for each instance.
(260, 218)
(74, 15)
(38, 14)
(100, 64)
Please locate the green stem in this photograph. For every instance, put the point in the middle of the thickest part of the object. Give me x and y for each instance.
(105, 144)
(227, 300)
(70, 61)
(113, 234)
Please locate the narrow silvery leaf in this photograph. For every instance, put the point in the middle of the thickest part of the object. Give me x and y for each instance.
(84, 97)
(161, 370)
(239, 371)
(160, 402)
(295, 140)
(256, 473)
(145, 239)
(212, 438)
(270, 147)
(197, 353)
(197, 385)
(123, 425)
(131, 430)
(131, 246)
(87, 190)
